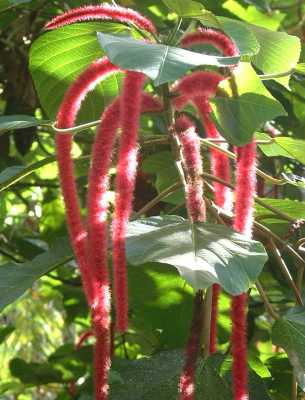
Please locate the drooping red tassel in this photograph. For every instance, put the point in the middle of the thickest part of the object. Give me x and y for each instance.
(211, 36)
(66, 119)
(243, 222)
(220, 162)
(125, 182)
(190, 144)
(98, 235)
(102, 12)
(187, 379)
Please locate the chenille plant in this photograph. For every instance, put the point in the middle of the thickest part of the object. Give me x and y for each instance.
(203, 81)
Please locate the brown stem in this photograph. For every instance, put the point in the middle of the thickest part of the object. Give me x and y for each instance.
(266, 301)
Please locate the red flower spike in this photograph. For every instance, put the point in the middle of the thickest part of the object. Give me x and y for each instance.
(102, 12)
(66, 119)
(187, 379)
(220, 162)
(244, 199)
(98, 235)
(211, 36)
(190, 144)
(245, 188)
(198, 83)
(125, 182)
(239, 347)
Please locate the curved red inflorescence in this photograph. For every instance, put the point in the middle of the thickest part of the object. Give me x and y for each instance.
(125, 182)
(187, 379)
(211, 36)
(102, 12)
(243, 222)
(66, 116)
(190, 146)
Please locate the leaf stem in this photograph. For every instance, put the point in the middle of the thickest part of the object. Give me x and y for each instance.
(266, 301)
(276, 75)
(207, 311)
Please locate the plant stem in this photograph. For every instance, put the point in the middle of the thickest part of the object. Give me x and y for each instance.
(266, 301)
(207, 310)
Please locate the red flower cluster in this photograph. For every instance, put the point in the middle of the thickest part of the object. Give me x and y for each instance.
(90, 243)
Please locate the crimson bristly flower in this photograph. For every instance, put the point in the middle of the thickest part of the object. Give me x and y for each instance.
(243, 222)
(102, 12)
(66, 117)
(130, 110)
(190, 146)
(192, 163)
(188, 376)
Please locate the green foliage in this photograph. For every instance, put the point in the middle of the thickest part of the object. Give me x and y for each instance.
(160, 62)
(203, 253)
(43, 308)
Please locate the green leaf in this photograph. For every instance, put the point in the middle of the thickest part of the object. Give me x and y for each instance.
(161, 305)
(148, 378)
(244, 106)
(14, 174)
(58, 57)
(240, 33)
(6, 4)
(5, 332)
(294, 147)
(184, 9)
(279, 52)
(289, 333)
(271, 149)
(12, 122)
(162, 164)
(160, 62)
(34, 373)
(300, 68)
(295, 209)
(203, 254)
(15, 279)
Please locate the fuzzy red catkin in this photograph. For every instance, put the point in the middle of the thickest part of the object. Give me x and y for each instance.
(243, 222)
(211, 36)
(66, 119)
(187, 379)
(102, 12)
(98, 235)
(125, 182)
(190, 145)
(220, 162)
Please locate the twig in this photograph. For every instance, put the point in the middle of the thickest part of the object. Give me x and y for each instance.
(266, 301)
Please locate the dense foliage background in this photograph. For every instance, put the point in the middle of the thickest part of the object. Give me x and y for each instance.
(43, 309)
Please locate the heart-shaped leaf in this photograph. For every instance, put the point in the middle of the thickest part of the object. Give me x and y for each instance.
(203, 253)
(160, 62)
(244, 105)
(12, 122)
(288, 333)
(190, 8)
(279, 52)
(59, 56)
(15, 279)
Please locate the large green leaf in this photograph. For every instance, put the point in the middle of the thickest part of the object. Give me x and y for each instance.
(160, 62)
(294, 147)
(244, 105)
(279, 52)
(59, 56)
(243, 37)
(289, 333)
(203, 253)
(190, 8)
(12, 122)
(295, 209)
(15, 279)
